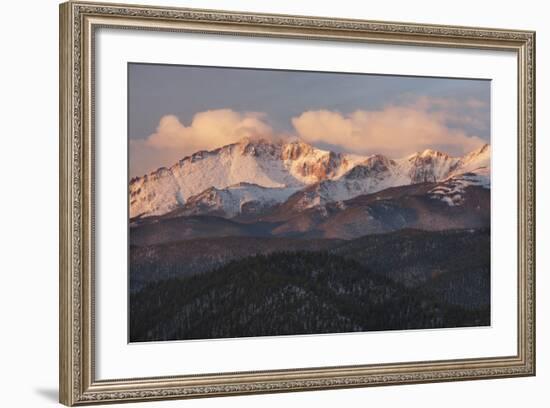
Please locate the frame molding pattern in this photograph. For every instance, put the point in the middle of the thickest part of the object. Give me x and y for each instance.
(77, 24)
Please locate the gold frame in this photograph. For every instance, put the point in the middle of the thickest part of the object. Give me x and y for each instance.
(78, 21)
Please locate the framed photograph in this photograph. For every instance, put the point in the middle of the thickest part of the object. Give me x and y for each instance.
(256, 203)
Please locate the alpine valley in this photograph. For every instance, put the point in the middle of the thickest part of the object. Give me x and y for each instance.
(267, 237)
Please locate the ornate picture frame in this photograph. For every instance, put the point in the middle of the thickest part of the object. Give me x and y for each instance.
(79, 22)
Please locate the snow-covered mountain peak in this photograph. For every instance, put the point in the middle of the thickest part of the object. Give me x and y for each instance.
(433, 154)
(374, 167)
(483, 149)
(256, 172)
(379, 161)
(483, 153)
(477, 161)
(266, 163)
(429, 166)
(257, 146)
(310, 164)
(296, 149)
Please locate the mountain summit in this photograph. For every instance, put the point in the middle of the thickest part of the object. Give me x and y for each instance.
(254, 174)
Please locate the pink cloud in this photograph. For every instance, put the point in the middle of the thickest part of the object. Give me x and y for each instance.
(208, 130)
(395, 131)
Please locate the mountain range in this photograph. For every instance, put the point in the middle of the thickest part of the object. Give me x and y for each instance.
(277, 238)
(256, 177)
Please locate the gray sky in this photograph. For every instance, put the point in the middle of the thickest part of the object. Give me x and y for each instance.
(156, 91)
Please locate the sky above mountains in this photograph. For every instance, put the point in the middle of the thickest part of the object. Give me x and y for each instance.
(175, 111)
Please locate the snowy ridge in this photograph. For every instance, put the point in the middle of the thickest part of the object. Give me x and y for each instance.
(236, 199)
(429, 166)
(253, 174)
(311, 165)
(373, 174)
(474, 169)
(477, 161)
(266, 164)
(377, 173)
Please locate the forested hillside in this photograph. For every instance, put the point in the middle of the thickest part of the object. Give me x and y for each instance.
(287, 293)
(453, 265)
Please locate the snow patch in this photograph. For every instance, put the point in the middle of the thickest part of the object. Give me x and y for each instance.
(451, 191)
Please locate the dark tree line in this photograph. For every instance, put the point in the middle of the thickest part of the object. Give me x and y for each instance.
(453, 265)
(288, 293)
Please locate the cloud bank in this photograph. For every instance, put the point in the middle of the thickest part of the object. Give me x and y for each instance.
(208, 130)
(396, 131)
